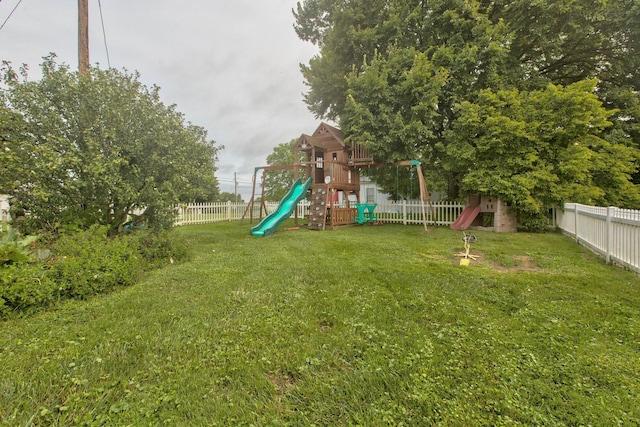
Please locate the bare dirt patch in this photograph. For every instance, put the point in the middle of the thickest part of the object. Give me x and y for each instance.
(282, 382)
(520, 263)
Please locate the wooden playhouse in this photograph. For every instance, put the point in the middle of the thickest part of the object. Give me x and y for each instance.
(334, 167)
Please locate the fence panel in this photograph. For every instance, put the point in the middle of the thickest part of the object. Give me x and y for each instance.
(403, 212)
(410, 212)
(4, 220)
(4, 212)
(611, 232)
(202, 213)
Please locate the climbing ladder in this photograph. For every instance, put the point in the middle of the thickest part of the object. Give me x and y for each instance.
(317, 216)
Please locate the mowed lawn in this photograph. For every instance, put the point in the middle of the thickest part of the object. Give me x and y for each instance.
(371, 326)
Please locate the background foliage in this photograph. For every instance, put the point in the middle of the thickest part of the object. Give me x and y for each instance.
(278, 182)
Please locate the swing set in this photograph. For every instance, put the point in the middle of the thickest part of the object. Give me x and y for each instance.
(252, 201)
(363, 212)
(334, 167)
(424, 193)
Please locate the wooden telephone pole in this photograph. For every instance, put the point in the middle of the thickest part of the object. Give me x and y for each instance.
(83, 36)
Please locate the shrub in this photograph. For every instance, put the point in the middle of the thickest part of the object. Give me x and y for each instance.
(533, 222)
(159, 247)
(89, 262)
(14, 248)
(24, 286)
(83, 264)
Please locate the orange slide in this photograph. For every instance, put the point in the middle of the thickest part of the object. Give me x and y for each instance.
(464, 220)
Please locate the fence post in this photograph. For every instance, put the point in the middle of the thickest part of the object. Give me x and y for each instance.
(228, 210)
(610, 212)
(575, 220)
(179, 216)
(404, 211)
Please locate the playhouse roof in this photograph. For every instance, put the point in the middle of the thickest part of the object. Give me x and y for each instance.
(324, 129)
(305, 142)
(325, 137)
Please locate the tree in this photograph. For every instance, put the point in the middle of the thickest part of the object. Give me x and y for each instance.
(346, 33)
(410, 63)
(12, 133)
(480, 43)
(226, 196)
(400, 73)
(541, 148)
(454, 34)
(99, 148)
(278, 182)
(563, 42)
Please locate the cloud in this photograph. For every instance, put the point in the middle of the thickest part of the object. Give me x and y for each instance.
(231, 67)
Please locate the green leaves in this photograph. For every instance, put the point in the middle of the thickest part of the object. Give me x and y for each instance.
(278, 182)
(541, 148)
(392, 102)
(446, 81)
(14, 249)
(96, 149)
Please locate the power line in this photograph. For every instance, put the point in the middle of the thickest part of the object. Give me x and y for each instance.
(104, 34)
(239, 181)
(232, 181)
(14, 9)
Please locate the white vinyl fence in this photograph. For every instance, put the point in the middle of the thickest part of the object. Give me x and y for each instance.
(404, 212)
(4, 220)
(4, 212)
(203, 213)
(611, 232)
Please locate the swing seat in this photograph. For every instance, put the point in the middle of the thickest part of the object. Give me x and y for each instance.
(370, 215)
(360, 218)
(365, 213)
(469, 238)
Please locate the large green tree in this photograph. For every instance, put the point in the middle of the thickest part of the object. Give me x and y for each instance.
(399, 74)
(539, 148)
(99, 148)
(480, 43)
(452, 34)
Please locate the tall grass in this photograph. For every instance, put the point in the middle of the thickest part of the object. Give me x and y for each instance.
(359, 326)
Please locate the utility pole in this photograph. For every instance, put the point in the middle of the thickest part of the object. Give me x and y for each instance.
(235, 186)
(83, 36)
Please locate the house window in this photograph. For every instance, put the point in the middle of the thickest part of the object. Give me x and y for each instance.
(371, 197)
(319, 162)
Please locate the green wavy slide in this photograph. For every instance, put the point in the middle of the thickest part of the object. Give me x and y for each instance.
(268, 225)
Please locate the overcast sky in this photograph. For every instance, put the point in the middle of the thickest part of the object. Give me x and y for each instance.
(230, 66)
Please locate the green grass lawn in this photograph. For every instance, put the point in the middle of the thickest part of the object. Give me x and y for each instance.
(363, 326)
